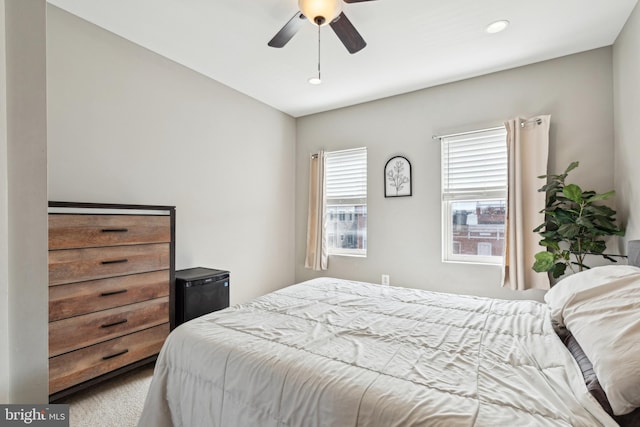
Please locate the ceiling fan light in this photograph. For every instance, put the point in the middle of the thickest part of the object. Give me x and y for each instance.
(320, 12)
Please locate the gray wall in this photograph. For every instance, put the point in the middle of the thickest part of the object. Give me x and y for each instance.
(129, 126)
(404, 234)
(626, 66)
(23, 203)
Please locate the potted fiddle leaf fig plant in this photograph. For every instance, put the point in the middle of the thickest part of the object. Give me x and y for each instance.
(575, 226)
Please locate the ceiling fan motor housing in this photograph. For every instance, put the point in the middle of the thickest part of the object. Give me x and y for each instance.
(320, 12)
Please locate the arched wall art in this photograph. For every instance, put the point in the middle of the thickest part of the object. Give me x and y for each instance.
(397, 177)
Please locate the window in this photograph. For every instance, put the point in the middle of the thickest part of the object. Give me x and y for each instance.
(474, 191)
(346, 202)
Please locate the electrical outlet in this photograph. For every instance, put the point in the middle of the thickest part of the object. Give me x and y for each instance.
(385, 279)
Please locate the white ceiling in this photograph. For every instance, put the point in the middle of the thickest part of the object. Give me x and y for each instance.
(411, 44)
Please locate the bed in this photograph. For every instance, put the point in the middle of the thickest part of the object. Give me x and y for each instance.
(332, 352)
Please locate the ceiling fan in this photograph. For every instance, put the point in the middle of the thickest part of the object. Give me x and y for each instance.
(322, 12)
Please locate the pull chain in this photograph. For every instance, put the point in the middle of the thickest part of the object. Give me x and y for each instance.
(319, 79)
(316, 80)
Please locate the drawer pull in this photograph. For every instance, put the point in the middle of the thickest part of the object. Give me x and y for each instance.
(115, 355)
(115, 261)
(106, 294)
(119, 322)
(115, 230)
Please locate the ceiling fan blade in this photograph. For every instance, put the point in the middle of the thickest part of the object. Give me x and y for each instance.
(347, 33)
(355, 1)
(288, 31)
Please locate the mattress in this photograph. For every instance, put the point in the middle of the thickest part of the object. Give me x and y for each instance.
(331, 352)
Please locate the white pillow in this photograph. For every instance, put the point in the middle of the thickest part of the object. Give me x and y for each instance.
(601, 308)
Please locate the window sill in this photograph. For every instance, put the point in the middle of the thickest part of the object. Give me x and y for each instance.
(495, 263)
(349, 255)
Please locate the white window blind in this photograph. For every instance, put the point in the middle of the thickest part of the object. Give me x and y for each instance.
(474, 165)
(346, 175)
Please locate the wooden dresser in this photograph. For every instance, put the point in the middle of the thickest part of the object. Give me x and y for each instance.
(111, 290)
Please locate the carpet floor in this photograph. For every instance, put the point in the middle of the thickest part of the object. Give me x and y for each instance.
(114, 403)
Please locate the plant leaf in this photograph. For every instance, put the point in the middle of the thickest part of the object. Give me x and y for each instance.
(558, 269)
(550, 244)
(544, 261)
(573, 192)
(600, 210)
(539, 228)
(571, 167)
(603, 196)
(597, 247)
(584, 222)
(569, 231)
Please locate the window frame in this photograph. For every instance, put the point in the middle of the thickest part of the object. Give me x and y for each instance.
(448, 199)
(349, 202)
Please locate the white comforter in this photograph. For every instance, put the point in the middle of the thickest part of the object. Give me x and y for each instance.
(331, 352)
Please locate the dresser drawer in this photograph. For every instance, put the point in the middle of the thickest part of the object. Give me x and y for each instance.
(75, 299)
(78, 265)
(82, 331)
(83, 231)
(90, 362)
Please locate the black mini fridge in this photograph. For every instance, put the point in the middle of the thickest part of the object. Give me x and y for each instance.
(200, 291)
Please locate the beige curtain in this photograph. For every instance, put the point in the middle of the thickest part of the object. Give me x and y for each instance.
(528, 151)
(316, 258)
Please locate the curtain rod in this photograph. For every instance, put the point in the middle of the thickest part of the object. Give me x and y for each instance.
(314, 155)
(537, 121)
(466, 133)
(525, 122)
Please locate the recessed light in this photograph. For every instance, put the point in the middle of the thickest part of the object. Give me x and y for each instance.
(496, 27)
(314, 80)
